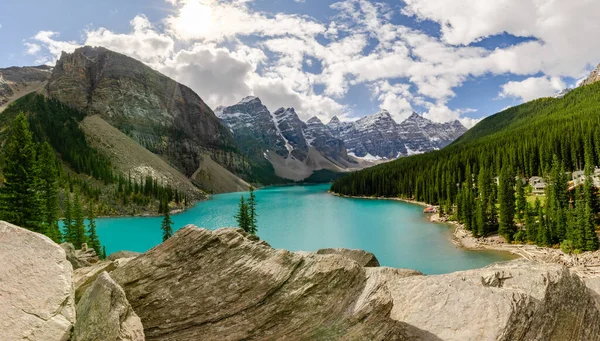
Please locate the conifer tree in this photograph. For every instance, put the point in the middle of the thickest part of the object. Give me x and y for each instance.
(252, 216)
(542, 226)
(506, 199)
(242, 217)
(92, 237)
(68, 232)
(78, 226)
(49, 191)
(21, 204)
(167, 223)
(530, 224)
(521, 212)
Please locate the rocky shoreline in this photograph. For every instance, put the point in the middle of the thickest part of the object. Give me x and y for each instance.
(228, 285)
(586, 265)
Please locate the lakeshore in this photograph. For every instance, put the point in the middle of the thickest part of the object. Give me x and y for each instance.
(586, 264)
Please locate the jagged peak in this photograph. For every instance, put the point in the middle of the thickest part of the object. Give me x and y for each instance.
(383, 113)
(314, 119)
(334, 120)
(249, 99)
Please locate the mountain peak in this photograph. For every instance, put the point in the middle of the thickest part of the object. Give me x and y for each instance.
(249, 99)
(314, 119)
(334, 120)
(593, 77)
(383, 113)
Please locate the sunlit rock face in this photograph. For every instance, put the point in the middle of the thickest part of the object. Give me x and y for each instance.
(228, 285)
(164, 116)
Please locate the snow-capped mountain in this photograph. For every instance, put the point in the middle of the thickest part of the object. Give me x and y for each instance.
(253, 127)
(318, 135)
(296, 148)
(379, 137)
(292, 129)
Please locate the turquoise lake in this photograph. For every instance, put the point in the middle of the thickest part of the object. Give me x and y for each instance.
(308, 218)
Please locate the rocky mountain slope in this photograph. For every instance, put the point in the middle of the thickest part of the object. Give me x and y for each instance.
(592, 78)
(128, 157)
(379, 136)
(228, 285)
(164, 116)
(294, 149)
(16, 82)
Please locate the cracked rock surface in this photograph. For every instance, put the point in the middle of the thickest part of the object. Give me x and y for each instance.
(36, 290)
(224, 285)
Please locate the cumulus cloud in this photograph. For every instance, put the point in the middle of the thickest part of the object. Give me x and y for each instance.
(532, 88)
(225, 50)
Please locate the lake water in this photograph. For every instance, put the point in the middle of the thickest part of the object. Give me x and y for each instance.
(308, 218)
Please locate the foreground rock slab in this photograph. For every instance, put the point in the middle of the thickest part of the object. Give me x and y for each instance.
(36, 291)
(226, 285)
(220, 285)
(364, 258)
(103, 313)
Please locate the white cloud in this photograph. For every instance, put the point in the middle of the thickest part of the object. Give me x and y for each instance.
(202, 43)
(532, 88)
(47, 39)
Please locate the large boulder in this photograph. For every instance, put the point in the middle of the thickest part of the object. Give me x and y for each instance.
(103, 313)
(123, 254)
(364, 258)
(84, 277)
(223, 285)
(36, 291)
(72, 256)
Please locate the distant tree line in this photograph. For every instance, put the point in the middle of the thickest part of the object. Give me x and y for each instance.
(29, 197)
(546, 137)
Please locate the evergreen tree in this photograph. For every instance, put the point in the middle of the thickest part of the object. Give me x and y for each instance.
(543, 238)
(78, 226)
(49, 191)
(252, 216)
(521, 212)
(68, 231)
(242, 217)
(530, 224)
(92, 237)
(103, 254)
(506, 199)
(167, 223)
(21, 204)
(557, 202)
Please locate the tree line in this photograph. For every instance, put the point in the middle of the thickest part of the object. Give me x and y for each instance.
(88, 172)
(539, 138)
(29, 197)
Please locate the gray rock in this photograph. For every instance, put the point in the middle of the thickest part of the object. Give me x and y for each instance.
(162, 115)
(123, 254)
(87, 254)
(103, 313)
(364, 258)
(84, 277)
(381, 136)
(72, 256)
(220, 285)
(36, 291)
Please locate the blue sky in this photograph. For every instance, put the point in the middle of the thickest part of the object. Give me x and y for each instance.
(350, 58)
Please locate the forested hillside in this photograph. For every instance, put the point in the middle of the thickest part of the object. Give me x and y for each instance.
(82, 170)
(539, 138)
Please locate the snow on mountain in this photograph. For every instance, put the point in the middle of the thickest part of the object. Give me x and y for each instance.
(379, 135)
(337, 144)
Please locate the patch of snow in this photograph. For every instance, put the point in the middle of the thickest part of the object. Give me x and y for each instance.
(367, 157)
(248, 99)
(410, 152)
(288, 146)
